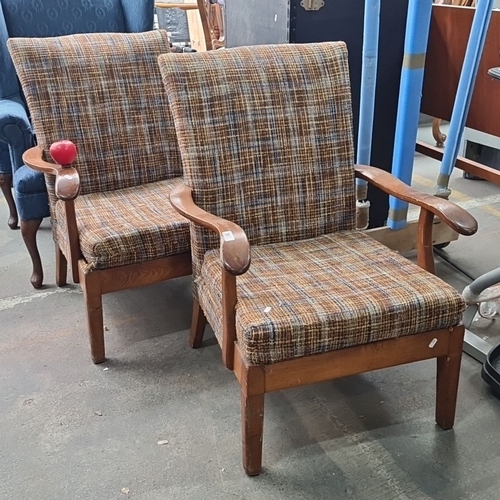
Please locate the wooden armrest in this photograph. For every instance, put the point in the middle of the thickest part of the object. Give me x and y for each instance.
(67, 178)
(454, 216)
(234, 246)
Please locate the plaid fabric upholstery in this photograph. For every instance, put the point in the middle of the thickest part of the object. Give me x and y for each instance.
(327, 293)
(127, 226)
(273, 145)
(104, 92)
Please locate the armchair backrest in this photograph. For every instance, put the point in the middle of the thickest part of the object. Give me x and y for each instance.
(48, 18)
(273, 149)
(103, 92)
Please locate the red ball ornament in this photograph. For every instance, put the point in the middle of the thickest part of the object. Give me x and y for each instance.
(63, 152)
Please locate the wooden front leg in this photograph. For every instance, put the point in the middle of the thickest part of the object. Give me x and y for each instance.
(448, 374)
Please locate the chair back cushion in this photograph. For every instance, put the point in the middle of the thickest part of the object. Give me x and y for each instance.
(103, 92)
(265, 135)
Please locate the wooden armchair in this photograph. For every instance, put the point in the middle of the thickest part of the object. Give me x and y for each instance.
(293, 292)
(110, 213)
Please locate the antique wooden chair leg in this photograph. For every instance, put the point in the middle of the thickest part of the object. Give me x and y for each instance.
(252, 420)
(61, 267)
(198, 324)
(6, 187)
(448, 373)
(29, 229)
(439, 137)
(93, 302)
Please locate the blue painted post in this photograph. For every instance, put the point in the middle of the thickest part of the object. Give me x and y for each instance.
(367, 104)
(465, 90)
(410, 93)
(368, 81)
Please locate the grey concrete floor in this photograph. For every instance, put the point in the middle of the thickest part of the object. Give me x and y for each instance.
(72, 430)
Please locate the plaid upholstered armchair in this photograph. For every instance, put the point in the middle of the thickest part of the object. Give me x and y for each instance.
(27, 18)
(293, 292)
(110, 213)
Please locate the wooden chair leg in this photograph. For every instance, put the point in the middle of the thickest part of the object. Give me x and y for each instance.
(61, 267)
(439, 137)
(252, 420)
(448, 374)
(198, 324)
(29, 229)
(6, 187)
(93, 302)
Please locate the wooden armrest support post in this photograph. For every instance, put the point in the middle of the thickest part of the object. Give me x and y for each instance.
(234, 254)
(67, 187)
(454, 216)
(234, 246)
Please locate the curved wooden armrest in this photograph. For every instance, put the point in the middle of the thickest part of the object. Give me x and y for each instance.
(67, 178)
(454, 216)
(234, 246)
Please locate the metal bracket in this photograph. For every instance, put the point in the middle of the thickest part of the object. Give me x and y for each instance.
(312, 4)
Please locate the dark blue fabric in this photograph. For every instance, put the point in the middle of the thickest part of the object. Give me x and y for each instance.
(5, 167)
(138, 15)
(30, 192)
(29, 181)
(42, 18)
(9, 84)
(39, 18)
(14, 122)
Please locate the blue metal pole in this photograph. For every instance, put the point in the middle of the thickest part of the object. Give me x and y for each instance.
(368, 82)
(410, 93)
(465, 90)
(367, 105)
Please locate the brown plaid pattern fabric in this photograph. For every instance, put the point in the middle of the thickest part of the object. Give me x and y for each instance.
(265, 135)
(103, 92)
(127, 226)
(327, 293)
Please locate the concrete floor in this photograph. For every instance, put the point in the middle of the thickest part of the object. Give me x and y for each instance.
(72, 430)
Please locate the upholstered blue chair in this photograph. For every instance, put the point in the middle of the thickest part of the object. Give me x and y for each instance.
(36, 19)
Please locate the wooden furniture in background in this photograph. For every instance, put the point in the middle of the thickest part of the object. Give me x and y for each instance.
(439, 136)
(448, 38)
(205, 21)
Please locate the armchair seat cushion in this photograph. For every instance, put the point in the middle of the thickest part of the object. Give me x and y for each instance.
(327, 293)
(127, 226)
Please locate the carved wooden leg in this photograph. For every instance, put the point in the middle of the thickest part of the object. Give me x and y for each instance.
(93, 301)
(252, 419)
(448, 374)
(61, 267)
(6, 187)
(29, 229)
(198, 324)
(439, 137)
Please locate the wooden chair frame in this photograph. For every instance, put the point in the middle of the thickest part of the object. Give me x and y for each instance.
(211, 18)
(255, 381)
(98, 282)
